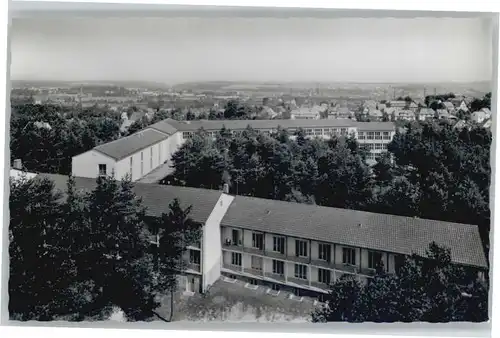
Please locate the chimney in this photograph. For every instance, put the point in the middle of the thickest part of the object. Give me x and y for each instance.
(225, 188)
(18, 164)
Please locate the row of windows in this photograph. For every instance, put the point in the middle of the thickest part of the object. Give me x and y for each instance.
(301, 271)
(374, 135)
(309, 132)
(325, 131)
(375, 146)
(302, 249)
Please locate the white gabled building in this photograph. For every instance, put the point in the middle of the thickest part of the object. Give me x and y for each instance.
(135, 155)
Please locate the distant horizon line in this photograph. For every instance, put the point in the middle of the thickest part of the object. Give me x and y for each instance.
(254, 82)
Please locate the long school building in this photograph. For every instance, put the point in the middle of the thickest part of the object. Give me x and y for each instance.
(296, 247)
(146, 155)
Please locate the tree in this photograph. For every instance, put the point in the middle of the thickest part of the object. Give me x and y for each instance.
(426, 288)
(383, 169)
(94, 244)
(342, 305)
(46, 137)
(448, 169)
(478, 104)
(121, 266)
(175, 230)
(40, 270)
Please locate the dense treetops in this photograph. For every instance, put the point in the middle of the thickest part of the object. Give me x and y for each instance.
(49, 148)
(424, 290)
(79, 257)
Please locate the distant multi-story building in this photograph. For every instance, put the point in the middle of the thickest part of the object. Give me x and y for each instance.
(294, 247)
(146, 154)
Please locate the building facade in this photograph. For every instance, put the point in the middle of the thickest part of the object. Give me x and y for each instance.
(148, 152)
(293, 247)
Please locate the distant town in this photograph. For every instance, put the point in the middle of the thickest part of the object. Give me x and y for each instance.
(359, 102)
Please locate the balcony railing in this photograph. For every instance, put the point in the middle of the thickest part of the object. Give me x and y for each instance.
(320, 285)
(275, 276)
(232, 267)
(302, 260)
(298, 281)
(340, 268)
(274, 254)
(193, 266)
(253, 250)
(256, 272)
(232, 247)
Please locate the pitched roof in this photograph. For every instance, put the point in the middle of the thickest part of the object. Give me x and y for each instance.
(375, 112)
(427, 111)
(165, 126)
(396, 234)
(129, 145)
(448, 105)
(398, 103)
(156, 198)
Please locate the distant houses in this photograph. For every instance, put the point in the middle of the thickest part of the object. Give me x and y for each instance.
(481, 116)
(426, 114)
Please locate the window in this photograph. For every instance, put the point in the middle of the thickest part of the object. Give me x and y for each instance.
(374, 259)
(324, 276)
(131, 167)
(278, 267)
(384, 146)
(349, 256)
(236, 258)
(343, 131)
(378, 146)
(325, 252)
(194, 256)
(236, 237)
(385, 135)
(361, 135)
(309, 132)
(256, 263)
(318, 132)
(102, 170)
(378, 136)
(370, 135)
(300, 248)
(279, 244)
(300, 271)
(142, 163)
(151, 158)
(258, 241)
(186, 135)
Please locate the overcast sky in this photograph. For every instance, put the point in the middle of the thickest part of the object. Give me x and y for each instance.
(175, 50)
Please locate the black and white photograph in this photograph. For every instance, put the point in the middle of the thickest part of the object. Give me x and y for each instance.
(306, 167)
